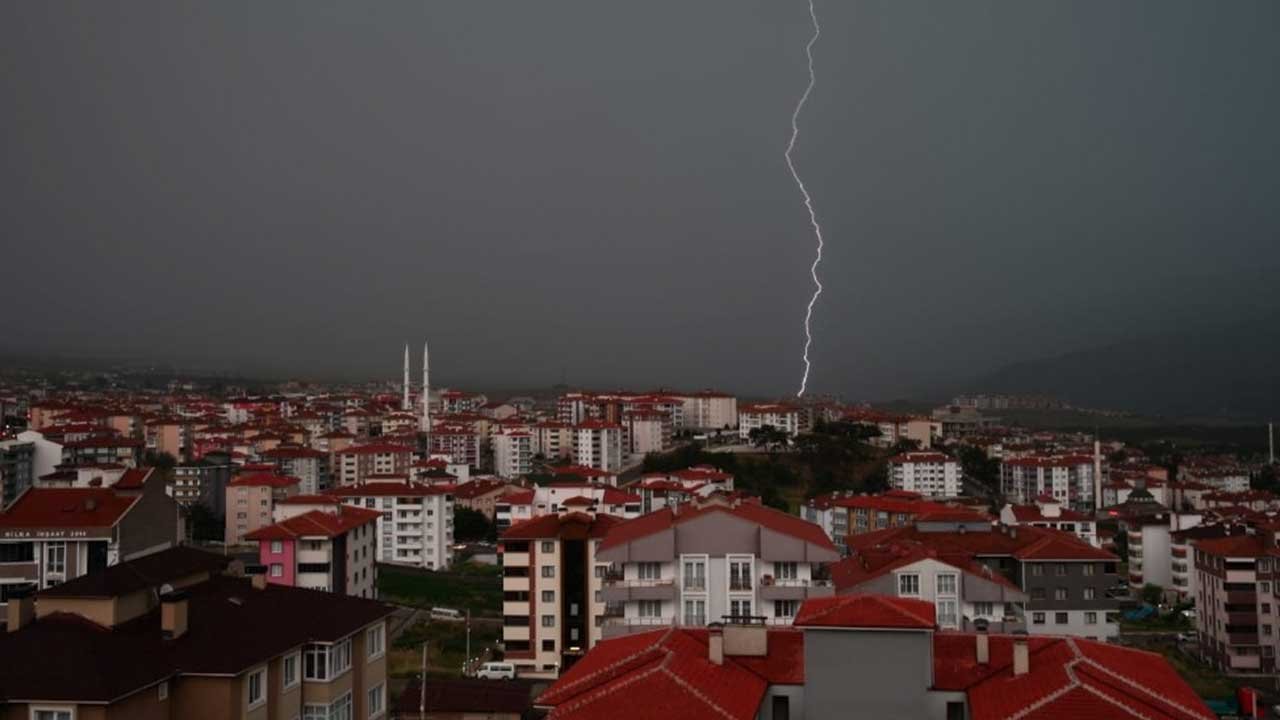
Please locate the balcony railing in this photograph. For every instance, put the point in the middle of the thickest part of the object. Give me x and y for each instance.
(655, 621)
(768, 581)
(641, 583)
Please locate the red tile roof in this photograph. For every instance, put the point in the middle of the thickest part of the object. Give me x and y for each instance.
(866, 611)
(375, 449)
(776, 520)
(317, 523)
(309, 500)
(133, 478)
(668, 674)
(549, 526)
(67, 508)
(1240, 546)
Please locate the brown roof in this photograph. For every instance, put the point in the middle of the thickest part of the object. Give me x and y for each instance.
(149, 571)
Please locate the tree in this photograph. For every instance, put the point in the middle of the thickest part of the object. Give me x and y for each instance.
(1152, 594)
(980, 468)
(205, 526)
(162, 460)
(470, 525)
(768, 437)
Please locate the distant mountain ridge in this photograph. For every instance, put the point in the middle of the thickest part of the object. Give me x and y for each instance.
(1231, 372)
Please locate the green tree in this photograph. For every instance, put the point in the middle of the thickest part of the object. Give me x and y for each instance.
(470, 525)
(205, 525)
(1152, 594)
(980, 468)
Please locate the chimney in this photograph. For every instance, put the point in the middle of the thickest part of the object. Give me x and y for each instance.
(173, 614)
(715, 643)
(22, 609)
(1021, 654)
(260, 581)
(984, 642)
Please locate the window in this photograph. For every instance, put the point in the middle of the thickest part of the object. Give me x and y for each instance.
(1266, 608)
(909, 584)
(739, 575)
(650, 608)
(277, 570)
(341, 709)
(946, 583)
(1037, 569)
(548, 571)
(1091, 618)
(1037, 618)
(548, 596)
(548, 546)
(257, 687)
(1060, 593)
(55, 557)
(1060, 618)
(377, 700)
(548, 621)
(1089, 569)
(648, 570)
(695, 612)
(50, 714)
(1266, 587)
(290, 670)
(740, 608)
(1060, 569)
(1088, 593)
(785, 608)
(277, 547)
(785, 570)
(17, 552)
(948, 615)
(983, 609)
(375, 641)
(1266, 630)
(163, 691)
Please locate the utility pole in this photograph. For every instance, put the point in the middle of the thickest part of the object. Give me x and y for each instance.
(464, 669)
(422, 696)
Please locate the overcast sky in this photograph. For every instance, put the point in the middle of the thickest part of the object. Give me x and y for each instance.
(598, 189)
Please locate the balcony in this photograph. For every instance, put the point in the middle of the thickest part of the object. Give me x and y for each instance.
(653, 589)
(613, 627)
(794, 589)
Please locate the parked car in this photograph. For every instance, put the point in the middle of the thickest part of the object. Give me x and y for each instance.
(497, 671)
(444, 613)
(1186, 637)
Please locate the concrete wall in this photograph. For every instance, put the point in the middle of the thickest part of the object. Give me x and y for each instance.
(874, 674)
(151, 524)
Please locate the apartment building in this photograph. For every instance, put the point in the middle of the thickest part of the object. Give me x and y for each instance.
(906, 669)
(330, 548)
(893, 429)
(598, 444)
(1047, 512)
(513, 454)
(1149, 531)
(660, 490)
(50, 536)
(415, 526)
(930, 474)
(309, 465)
(459, 443)
(519, 505)
(709, 410)
(481, 495)
(203, 482)
(961, 591)
(357, 462)
(251, 500)
(1238, 609)
(552, 579)
(841, 514)
(103, 449)
(1066, 478)
(711, 559)
(786, 418)
(645, 431)
(169, 637)
(553, 440)
(1066, 580)
(17, 469)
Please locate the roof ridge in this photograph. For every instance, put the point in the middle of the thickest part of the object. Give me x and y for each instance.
(657, 645)
(1135, 685)
(691, 689)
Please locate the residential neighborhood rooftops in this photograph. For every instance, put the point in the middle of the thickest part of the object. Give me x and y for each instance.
(866, 611)
(663, 519)
(148, 571)
(316, 523)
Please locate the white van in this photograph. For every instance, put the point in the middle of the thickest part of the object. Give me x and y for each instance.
(497, 671)
(443, 613)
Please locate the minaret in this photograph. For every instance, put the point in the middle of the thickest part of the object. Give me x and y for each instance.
(404, 404)
(426, 392)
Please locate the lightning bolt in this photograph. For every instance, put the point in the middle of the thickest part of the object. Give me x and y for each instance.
(808, 201)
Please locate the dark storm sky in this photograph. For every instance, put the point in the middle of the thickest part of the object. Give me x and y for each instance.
(599, 187)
